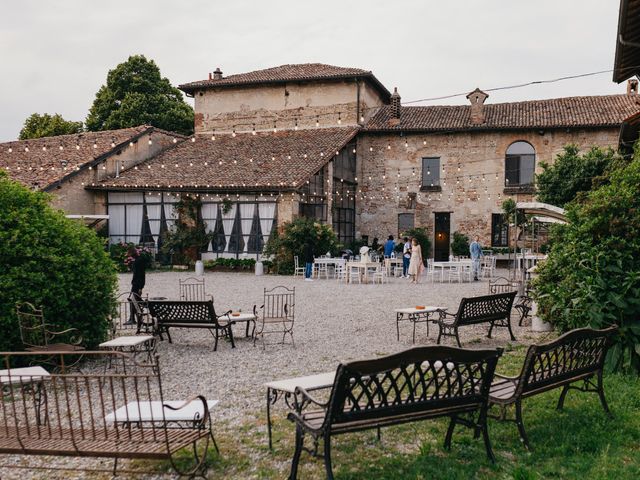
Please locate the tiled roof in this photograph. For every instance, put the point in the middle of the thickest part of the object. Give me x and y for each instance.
(265, 161)
(594, 111)
(41, 162)
(286, 73)
(627, 58)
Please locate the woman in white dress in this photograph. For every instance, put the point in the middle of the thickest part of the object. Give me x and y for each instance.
(415, 265)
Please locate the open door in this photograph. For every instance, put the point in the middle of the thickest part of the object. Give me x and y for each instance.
(442, 233)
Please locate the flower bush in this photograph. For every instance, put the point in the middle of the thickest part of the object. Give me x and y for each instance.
(592, 274)
(119, 253)
(284, 246)
(53, 262)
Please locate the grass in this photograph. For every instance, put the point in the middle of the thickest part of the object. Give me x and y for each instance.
(580, 442)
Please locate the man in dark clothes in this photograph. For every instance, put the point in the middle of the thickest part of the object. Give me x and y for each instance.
(307, 255)
(137, 282)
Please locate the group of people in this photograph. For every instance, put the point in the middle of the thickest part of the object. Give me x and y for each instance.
(412, 263)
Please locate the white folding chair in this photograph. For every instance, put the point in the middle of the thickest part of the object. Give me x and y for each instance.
(380, 274)
(354, 274)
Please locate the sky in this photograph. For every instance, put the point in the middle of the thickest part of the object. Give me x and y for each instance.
(56, 55)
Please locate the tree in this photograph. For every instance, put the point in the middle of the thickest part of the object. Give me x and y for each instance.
(460, 244)
(592, 275)
(573, 173)
(53, 262)
(136, 94)
(45, 125)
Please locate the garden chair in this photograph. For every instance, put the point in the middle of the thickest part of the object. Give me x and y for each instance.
(354, 274)
(297, 269)
(321, 269)
(488, 266)
(379, 275)
(38, 336)
(278, 315)
(193, 290)
(340, 272)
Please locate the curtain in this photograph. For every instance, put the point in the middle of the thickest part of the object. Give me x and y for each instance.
(116, 223)
(210, 215)
(153, 213)
(169, 212)
(246, 220)
(134, 223)
(266, 211)
(228, 220)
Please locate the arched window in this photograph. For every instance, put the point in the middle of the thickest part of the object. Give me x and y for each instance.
(519, 164)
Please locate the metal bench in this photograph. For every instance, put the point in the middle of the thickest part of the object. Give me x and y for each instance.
(84, 415)
(193, 314)
(576, 356)
(492, 309)
(417, 384)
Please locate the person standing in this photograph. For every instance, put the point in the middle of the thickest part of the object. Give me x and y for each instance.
(406, 257)
(475, 251)
(307, 255)
(389, 246)
(416, 264)
(138, 267)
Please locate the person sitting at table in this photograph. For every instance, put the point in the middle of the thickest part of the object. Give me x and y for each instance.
(416, 264)
(475, 251)
(389, 246)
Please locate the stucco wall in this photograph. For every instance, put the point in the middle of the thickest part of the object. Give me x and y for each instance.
(471, 203)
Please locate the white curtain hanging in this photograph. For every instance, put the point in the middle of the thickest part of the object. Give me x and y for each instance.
(153, 213)
(266, 211)
(228, 220)
(210, 215)
(116, 223)
(169, 212)
(246, 215)
(134, 223)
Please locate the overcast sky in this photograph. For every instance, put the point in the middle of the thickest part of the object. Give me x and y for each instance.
(55, 55)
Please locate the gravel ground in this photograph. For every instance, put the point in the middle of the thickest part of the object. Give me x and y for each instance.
(334, 322)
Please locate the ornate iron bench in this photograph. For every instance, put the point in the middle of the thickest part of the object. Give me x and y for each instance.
(523, 305)
(118, 416)
(492, 309)
(39, 336)
(194, 314)
(577, 355)
(417, 384)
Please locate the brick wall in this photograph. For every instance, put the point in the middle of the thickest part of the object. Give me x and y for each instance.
(385, 155)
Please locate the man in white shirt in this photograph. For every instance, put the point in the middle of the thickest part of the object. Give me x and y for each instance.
(406, 257)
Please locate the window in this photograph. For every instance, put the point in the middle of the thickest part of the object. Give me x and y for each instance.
(430, 172)
(519, 164)
(314, 203)
(344, 194)
(405, 222)
(499, 230)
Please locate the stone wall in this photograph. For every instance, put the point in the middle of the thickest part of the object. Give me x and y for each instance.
(306, 105)
(383, 194)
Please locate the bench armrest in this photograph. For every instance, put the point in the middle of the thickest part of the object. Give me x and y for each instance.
(74, 337)
(302, 399)
(198, 398)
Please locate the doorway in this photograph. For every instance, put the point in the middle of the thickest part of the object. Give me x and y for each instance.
(441, 232)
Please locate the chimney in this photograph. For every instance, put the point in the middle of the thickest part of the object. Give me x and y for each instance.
(217, 74)
(477, 98)
(632, 87)
(395, 104)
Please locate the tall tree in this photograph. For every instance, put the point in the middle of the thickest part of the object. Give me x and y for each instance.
(45, 125)
(572, 173)
(136, 94)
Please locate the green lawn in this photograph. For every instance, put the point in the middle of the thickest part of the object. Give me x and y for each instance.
(580, 442)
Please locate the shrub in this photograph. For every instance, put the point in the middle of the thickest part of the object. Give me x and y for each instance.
(233, 263)
(460, 244)
(420, 234)
(188, 237)
(592, 275)
(283, 246)
(53, 262)
(122, 261)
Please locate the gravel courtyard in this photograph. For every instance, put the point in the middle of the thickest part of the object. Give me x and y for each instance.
(334, 322)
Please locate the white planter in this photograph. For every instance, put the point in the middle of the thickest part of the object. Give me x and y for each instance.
(537, 325)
